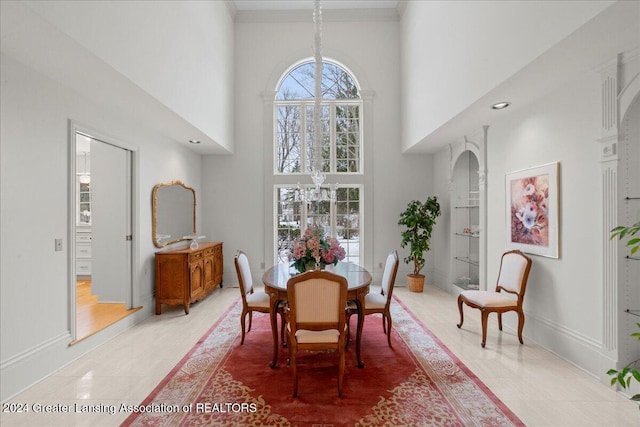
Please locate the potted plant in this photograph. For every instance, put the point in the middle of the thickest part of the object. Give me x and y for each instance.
(418, 220)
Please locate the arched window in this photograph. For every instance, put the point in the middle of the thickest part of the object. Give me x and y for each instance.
(340, 116)
(341, 153)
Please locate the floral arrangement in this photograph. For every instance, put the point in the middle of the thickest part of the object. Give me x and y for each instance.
(314, 250)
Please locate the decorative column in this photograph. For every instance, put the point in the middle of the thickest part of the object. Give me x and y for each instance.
(268, 99)
(368, 143)
(482, 188)
(608, 143)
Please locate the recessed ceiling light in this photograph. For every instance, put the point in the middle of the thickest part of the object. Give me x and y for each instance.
(500, 105)
(194, 141)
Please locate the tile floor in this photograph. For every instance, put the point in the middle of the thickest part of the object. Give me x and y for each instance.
(537, 386)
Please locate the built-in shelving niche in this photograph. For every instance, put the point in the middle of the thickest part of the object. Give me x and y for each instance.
(465, 222)
(629, 214)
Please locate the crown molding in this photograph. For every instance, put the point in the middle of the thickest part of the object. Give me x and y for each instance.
(328, 15)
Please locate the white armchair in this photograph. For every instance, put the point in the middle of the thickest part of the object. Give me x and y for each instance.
(512, 278)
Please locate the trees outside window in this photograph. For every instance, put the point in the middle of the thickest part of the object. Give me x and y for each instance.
(341, 154)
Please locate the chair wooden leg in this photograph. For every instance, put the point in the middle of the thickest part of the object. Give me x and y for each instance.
(242, 325)
(460, 310)
(389, 322)
(520, 325)
(282, 326)
(347, 320)
(294, 368)
(500, 321)
(341, 371)
(484, 317)
(384, 325)
(250, 319)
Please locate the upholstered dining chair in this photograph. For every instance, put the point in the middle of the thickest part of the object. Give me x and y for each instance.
(512, 278)
(379, 302)
(251, 300)
(316, 317)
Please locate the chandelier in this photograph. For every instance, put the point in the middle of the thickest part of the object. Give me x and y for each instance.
(319, 192)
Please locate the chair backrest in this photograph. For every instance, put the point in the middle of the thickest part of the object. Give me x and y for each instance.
(514, 272)
(389, 274)
(244, 274)
(317, 300)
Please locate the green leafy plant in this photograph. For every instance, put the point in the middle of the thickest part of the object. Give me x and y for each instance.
(418, 220)
(629, 372)
(622, 232)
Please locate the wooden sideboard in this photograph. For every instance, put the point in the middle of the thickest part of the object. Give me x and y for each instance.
(184, 276)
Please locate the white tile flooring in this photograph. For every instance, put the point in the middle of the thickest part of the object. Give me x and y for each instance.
(540, 388)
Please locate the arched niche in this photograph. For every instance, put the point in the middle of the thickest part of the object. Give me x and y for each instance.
(468, 215)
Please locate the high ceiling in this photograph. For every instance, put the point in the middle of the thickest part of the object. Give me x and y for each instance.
(271, 5)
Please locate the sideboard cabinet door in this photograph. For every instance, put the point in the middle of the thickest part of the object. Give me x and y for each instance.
(184, 276)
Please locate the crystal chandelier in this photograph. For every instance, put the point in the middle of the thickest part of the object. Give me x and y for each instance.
(319, 192)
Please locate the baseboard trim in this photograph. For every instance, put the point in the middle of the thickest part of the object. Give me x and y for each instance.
(583, 352)
(31, 366)
(43, 346)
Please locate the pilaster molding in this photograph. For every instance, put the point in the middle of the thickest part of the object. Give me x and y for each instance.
(608, 141)
(608, 148)
(482, 184)
(609, 82)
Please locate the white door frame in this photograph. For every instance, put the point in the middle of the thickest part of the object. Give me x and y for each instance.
(75, 127)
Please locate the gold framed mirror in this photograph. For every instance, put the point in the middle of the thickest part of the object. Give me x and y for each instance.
(173, 213)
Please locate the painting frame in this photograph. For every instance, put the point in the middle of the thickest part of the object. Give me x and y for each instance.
(532, 210)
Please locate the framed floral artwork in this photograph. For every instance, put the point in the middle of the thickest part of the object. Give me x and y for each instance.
(532, 210)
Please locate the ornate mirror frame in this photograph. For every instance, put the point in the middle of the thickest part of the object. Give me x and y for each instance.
(158, 241)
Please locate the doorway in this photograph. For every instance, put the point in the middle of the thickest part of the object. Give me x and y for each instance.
(101, 245)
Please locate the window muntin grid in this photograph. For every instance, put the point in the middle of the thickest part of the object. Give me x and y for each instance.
(341, 219)
(341, 112)
(341, 137)
(340, 120)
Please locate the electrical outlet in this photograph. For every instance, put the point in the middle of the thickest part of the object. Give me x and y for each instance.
(262, 265)
(58, 245)
(379, 265)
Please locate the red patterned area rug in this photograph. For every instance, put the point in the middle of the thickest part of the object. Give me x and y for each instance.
(418, 382)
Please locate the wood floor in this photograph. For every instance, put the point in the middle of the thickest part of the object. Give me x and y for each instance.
(93, 316)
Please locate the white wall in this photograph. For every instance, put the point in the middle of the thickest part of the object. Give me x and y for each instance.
(441, 237)
(453, 53)
(238, 206)
(34, 145)
(563, 304)
(162, 47)
(563, 128)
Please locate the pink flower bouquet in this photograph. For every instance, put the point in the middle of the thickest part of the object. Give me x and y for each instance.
(314, 250)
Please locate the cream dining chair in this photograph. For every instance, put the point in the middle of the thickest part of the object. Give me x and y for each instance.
(252, 300)
(379, 302)
(316, 317)
(512, 278)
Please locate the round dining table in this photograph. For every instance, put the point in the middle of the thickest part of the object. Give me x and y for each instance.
(275, 284)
